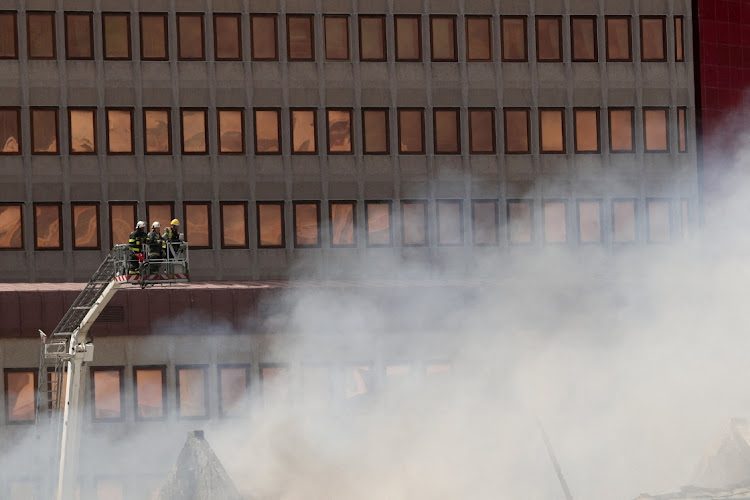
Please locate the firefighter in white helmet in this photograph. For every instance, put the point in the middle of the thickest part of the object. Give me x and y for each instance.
(155, 244)
(136, 242)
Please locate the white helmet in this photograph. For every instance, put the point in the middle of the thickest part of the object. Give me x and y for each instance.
(140, 224)
(156, 224)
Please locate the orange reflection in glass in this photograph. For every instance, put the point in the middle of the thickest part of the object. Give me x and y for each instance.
(85, 226)
(378, 224)
(82, 131)
(234, 225)
(228, 36)
(587, 130)
(584, 38)
(679, 39)
(149, 393)
(446, 131)
(300, 38)
(153, 36)
(193, 131)
(161, 212)
(41, 35)
(192, 392)
(443, 32)
(264, 37)
(116, 36)
(120, 131)
(275, 384)
(408, 46)
(9, 138)
(652, 39)
(555, 226)
(340, 131)
(109, 489)
(589, 220)
(618, 39)
(337, 38)
(303, 131)
(358, 381)
(231, 137)
(107, 396)
(20, 395)
(410, 126)
(122, 222)
(342, 224)
(414, 220)
(655, 128)
(10, 226)
(47, 226)
(8, 35)
(548, 39)
(197, 225)
(375, 125)
(267, 131)
(514, 38)
(78, 36)
(479, 38)
(372, 38)
(271, 225)
(519, 221)
(482, 130)
(484, 214)
(682, 130)
(233, 394)
(157, 131)
(190, 30)
(623, 214)
(306, 224)
(44, 130)
(621, 129)
(552, 131)
(450, 225)
(516, 131)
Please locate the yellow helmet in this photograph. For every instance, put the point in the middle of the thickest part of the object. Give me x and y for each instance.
(175, 222)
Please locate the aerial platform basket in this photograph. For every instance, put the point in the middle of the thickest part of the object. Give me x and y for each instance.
(139, 269)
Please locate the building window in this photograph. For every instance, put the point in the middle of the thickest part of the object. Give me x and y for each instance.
(482, 131)
(552, 130)
(589, 221)
(8, 36)
(447, 126)
(336, 37)
(264, 39)
(10, 131)
(517, 130)
(306, 224)
(685, 218)
(586, 123)
(372, 38)
(549, 39)
(231, 125)
(40, 32)
(22, 489)
(158, 211)
(623, 221)
(116, 39)
(157, 126)
(513, 30)
(619, 38)
(653, 38)
(271, 224)
(11, 226)
(375, 131)
(234, 385)
(275, 384)
(106, 393)
(120, 131)
(110, 488)
(227, 37)
(655, 129)
(20, 395)
(408, 38)
(520, 223)
(267, 136)
(411, 131)
(190, 37)
(484, 222)
(44, 131)
(555, 221)
(150, 391)
(300, 38)
(659, 220)
(192, 392)
(378, 223)
(450, 223)
(343, 221)
(194, 125)
(339, 131)
(79, 38)
(85, 222)
(679, 39)
(82, 125)
(234, 225)
(682, 130)
(443, 38)
(47, 226)
(317, 386)
(304, 131)
(414, 223)
(358, 382)
(621, 130)
(478, 38)
(122, 217)
(154, 37)
(583, 40)
(198, 224)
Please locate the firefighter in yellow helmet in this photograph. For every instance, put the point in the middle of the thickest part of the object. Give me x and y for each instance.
(172, 238)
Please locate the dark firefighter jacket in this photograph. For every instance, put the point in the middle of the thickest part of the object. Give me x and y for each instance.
(136, 240)
(155, 244)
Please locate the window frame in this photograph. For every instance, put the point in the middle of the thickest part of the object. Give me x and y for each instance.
(679, 38)
(387, 112)
(457, 112)
(96, 204)
(242, 131)
(663, 20)
(206, 204)
(311, 19)
(682, 127)
(598, 130)
(238, 18)
(573, 57)
(56, 110)
(126, 15)
(169, 131)
(20, 205)
(472, 151)
(530, 204)
(165, 19)
(353, 204)
(525, 39)
(121, 371)
(132, 131)
(671, 221)
(133, 204)
(206, 151)
(475, 17)
(422, 202)
(51, 14)
(244, 204)
(398, 120)
(462, 232)
(70, 131)
(90, 16)
(247, 367)
(615, 241)
(19, 131)
(564, 203)
(199, 15)
(453, 18)
(204, 369)
(474, 231)
(632, 129)
(59, 247)
(282, 211)
(315, 130)
(164, 405)
(528, 131)
(667, 132)
(559, 37)
(390, 243)
(351, 131)
(6, 371)
(275, 18)
(348, 37)
(317, 204)
(278, 132)
(14, 14)
(360, 17)
(564, 131)
(420, 49)
(629, 19)
(601, 219)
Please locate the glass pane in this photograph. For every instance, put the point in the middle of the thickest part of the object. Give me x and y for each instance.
(231, 136)
(584, 38)
(120, 131)
(190, 29)
(122, 222)
(337, 38)
(267, 132)
(587, 130)
(192, 392)
(44, 130)
(107, 394)
(228, 37)
(450, 225)
(548, 39)
(415, 223)
(157, 131)
(307, 231)
(358, 381)
(233, 395)
(47, 226)
(482, 130)
(516, 131)
(408, 46)
(303, 131)
(41, 35)
(652, 39)
(478, 38)
(519, 221)
(275, 384)
(9, 138)
(682, 129)
(193, 131)
(161, 212)
(153, 36)
(116, 36)
(623, 213)
(78, 36)
(552, 131)
(589, 219)
(342, 224)
(655, 127)
(20, 396)
(621, 129)
(446, 131)
(10, 226)
(109, 489)
(514, 39)
(264, 37)
(375, 125)
(555, 226)
(8, 35)
(679, 40)
(659, 227)
(618, 39)
(484, 215)
(300, 38)
(443, 38)
(149, 393)
(234, 225)
(85, 226)
(271, 224)
(378, 224)
(340, 131)
(197, 225)
(372, 38)
(411, 133)
(82, 131)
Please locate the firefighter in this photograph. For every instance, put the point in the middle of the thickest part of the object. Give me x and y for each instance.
(172, 238)
(136, 242)
(155, 244)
